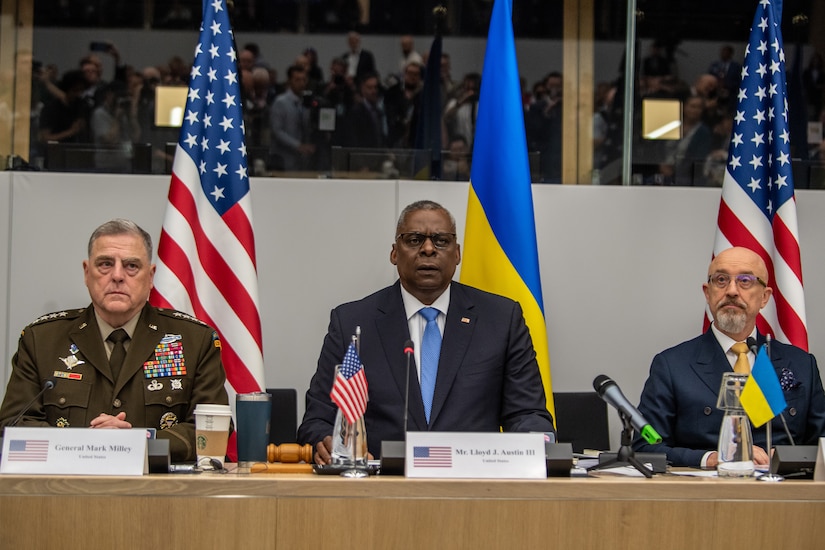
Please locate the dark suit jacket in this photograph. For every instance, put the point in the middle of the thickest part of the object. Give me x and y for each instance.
(364, 130)
(47, 344)
(487, 373)
(679, 399)
(366, 64)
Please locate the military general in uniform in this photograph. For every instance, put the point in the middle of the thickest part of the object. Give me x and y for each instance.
(118, 363)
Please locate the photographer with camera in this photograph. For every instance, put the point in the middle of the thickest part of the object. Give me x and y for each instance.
(115, 127)
(402, 104)
(542, 123)
(339, 94)
(292, 148)
(460, 114)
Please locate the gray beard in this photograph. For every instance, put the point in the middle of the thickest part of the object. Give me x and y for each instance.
(731, 322)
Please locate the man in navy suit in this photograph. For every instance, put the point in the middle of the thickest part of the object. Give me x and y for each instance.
(679, 397)
(487, 376)
(360, 62)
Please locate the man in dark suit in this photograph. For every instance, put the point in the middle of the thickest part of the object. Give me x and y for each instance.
(172, 361)
(366, 123)
(679, 397)
(360, 62)
(487, 375)
(729, 73)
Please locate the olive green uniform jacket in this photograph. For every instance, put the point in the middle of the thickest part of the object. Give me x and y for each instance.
(172, 364)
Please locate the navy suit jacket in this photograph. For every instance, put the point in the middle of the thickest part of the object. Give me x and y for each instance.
(679, 399)
(366, 64)
(487, 373)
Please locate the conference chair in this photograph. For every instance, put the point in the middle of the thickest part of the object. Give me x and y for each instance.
(581, 419)
(283, 425)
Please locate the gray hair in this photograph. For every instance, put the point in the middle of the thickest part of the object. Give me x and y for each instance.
(119, 226)
(422, 205)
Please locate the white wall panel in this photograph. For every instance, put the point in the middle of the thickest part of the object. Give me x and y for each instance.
(622, 268)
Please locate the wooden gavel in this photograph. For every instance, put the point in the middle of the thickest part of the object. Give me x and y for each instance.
(286, 458)
(289, 453)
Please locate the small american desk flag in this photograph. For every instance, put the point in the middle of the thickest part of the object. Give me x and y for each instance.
(206, 253)
(349, 389)
(758, 207)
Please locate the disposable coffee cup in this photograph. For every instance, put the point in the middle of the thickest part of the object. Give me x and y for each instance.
(253, 414)
(211, 432)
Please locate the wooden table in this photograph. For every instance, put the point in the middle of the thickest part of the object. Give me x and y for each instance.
(292, 511)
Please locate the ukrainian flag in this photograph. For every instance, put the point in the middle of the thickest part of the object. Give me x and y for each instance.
(762, 396)
(500, 251)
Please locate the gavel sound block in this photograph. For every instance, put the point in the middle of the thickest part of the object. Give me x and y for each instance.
(287, 458)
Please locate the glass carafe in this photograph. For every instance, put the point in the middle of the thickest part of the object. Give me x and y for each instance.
(735, 439)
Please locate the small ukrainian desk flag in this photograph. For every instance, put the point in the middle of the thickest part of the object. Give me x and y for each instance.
(762, 396)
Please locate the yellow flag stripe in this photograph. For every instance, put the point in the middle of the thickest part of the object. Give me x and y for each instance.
(755, 404)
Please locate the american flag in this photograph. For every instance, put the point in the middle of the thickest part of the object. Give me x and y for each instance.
(206, 253)
(433, 457)
(758, 208)
(29, 450)
(349, 389)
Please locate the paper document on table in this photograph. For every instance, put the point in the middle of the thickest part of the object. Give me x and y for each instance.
(695, 473)
(627, 471)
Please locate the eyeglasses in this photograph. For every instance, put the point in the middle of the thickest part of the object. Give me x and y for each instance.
(415, 240)
(744, 281)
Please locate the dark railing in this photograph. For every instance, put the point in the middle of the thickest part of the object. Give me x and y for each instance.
(135, 158)
(366, 163)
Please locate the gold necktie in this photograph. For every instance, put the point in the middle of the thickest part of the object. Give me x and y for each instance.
(742, 365)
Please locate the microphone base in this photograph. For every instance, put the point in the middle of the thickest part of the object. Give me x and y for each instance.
(658, 461)
(794, 461)
(158, 456)
(559, 459)
(392, 458)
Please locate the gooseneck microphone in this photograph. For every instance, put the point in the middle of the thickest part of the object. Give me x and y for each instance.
(609, 391)
(409, 349)
(47, 385)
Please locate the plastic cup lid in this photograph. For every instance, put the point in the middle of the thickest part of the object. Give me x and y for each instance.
(213, 409)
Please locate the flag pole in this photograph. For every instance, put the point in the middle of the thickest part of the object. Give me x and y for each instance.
(769, 476)
(354, 427)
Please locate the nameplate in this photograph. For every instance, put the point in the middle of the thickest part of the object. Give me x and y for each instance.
(819, 467)
(475, 455)
(74, 451)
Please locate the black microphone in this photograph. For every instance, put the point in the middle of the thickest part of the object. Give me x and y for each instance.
(754, 347)
(408, 351)
(393, 452)
(609, 391)
(47, 385)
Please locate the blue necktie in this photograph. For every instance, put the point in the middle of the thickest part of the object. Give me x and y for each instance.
(430, 351)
